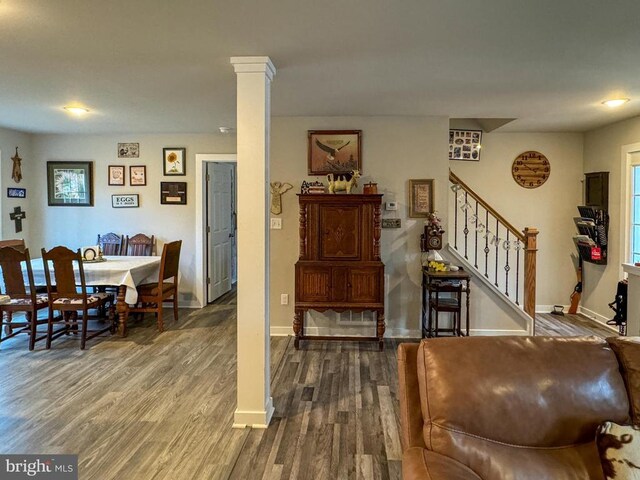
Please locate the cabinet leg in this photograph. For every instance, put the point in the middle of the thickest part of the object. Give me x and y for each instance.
(381, 328)
(297, 327)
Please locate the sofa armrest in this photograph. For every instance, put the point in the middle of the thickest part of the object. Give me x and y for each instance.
(423, 464)
(411, 420)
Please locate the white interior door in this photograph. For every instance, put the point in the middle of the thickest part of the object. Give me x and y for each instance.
(220, 229)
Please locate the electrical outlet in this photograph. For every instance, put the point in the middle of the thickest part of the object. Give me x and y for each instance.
(284, 299)
(276, 224)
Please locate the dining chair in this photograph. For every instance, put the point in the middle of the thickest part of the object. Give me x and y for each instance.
(139, 245)
(152, 295)
(17, 243)
(20, 299)
(66, 299)
(110, 243)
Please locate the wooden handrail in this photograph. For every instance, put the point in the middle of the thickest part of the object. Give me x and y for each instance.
(453, 178)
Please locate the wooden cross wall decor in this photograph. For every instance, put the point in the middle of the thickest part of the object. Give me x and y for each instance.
(17, 217)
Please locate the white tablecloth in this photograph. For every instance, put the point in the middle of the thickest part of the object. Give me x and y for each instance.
(116, 271)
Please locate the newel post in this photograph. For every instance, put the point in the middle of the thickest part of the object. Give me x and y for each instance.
(531, 249)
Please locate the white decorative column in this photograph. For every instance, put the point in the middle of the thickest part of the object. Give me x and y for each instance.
(254, 75)
(633, 299)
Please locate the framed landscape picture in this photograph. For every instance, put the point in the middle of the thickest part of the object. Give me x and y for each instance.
(138, 175)
(420, 198)
(334, 151)
(116, 175)
(70, 184)
(174, 160)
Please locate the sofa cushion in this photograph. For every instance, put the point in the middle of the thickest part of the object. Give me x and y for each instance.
(619, 448)
(421, 464)
(519, 407)
(627, 350)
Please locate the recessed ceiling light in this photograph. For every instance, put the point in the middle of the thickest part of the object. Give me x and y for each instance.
(615, 102)
(79, 111)
(225, 130)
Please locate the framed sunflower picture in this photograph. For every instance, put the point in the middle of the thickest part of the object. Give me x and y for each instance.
(174, 161)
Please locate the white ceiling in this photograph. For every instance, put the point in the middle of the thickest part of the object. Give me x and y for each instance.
(163, 65)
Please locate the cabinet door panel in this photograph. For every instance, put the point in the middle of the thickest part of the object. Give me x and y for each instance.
(365, 285)
(314, 284)
(339, 232)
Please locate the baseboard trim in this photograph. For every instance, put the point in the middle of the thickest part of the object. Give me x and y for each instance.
(489, 332)
(254, 419)
(549, 308)
(325, 331)
(596, 317)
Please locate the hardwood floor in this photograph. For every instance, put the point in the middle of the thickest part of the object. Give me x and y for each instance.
(154, 406)
(570, 325)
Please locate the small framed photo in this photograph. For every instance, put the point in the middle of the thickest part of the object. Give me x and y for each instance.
(465, 145)
(137, 175)
(174, 160)
(334, 151)
(70, 184)
(173, 193)
(116, 175)
(420, 198)
(128, 150)
(125, 201)
(13, 192)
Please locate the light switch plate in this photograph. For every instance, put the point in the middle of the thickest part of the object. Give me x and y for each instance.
(284, 299)
(276, 224)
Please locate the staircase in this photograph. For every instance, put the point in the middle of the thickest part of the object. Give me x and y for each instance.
(493, 250)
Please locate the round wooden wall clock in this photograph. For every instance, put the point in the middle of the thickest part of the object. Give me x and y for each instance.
(531, 169)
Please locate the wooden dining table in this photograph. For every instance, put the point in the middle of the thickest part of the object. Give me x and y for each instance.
(124, 272)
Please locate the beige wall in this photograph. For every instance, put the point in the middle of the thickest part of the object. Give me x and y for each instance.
(395, 149)
(603, 152)
(550, 208)
(79, 226)
(9, 140)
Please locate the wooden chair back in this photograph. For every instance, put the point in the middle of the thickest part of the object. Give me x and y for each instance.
(17, 243)
(140, 245)
(12, 274)
(65, 279)
(170, 262)
(110, 243)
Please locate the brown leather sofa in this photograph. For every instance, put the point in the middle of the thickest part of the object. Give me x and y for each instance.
(513, 408)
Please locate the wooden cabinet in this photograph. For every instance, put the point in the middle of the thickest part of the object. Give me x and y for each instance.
(339, 267)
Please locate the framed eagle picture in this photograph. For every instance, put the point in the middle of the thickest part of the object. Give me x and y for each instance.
(334, 151)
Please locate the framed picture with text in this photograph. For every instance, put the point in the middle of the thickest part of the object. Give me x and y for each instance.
(125, 201)
(116, 175)
(173, 193)
(138, 175)
(420, 198)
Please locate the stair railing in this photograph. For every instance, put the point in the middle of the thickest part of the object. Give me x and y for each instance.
(494, 247)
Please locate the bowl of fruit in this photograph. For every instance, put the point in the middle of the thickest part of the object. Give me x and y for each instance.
(438, 266)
